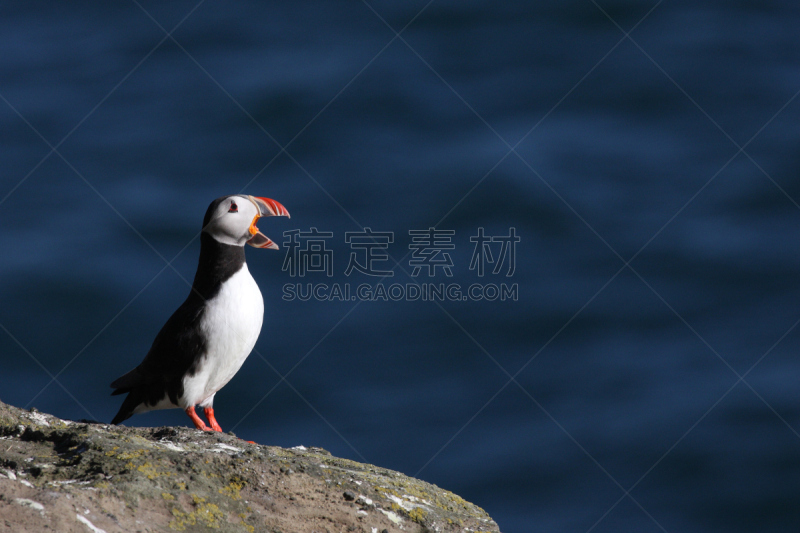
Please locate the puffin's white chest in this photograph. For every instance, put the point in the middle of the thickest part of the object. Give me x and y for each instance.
(231, 324)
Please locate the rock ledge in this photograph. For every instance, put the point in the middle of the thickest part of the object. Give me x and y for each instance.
(87, 477)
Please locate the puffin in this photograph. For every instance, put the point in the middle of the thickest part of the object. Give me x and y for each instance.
(207, 339)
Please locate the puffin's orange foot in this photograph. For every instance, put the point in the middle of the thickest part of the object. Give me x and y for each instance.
(209, 411)
(198, 422)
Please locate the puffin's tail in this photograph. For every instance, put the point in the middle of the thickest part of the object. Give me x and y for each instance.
(121, 416)
(127, 384)
(128, 406)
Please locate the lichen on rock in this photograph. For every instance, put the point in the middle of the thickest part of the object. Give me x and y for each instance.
(75, 476)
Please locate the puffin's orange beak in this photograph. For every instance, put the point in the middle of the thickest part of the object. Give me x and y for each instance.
(266, 208)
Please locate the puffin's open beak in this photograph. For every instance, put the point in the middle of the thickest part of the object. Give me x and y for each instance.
(266, 208)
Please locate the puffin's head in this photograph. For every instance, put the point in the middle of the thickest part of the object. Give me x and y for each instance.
(232, 220)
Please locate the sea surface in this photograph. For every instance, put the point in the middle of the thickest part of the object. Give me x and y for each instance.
(628, 359)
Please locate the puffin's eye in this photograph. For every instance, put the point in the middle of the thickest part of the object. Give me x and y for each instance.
(234, 208)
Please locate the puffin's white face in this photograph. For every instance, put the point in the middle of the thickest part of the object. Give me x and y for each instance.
(233, 220)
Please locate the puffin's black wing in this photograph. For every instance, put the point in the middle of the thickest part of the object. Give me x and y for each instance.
(175, 351)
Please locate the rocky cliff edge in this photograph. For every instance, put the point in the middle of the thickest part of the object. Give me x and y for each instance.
(65, 476)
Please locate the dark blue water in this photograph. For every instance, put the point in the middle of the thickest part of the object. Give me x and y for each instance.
(653, 184)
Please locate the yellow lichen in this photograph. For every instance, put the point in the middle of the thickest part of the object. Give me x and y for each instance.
(167, 496)
(148, 470)
(233, 490)
(181, 520)
(417, 514)
(247, 526)
(204, 473)
(385, 491)
(127, 456)
(205, 514)
(209, 514)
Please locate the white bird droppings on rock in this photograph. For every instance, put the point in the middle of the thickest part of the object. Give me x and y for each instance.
(171, 446)
(93, 528)
(38, 418)
(391, 515)
(407, 506)
(226, 448)
(25, 502)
